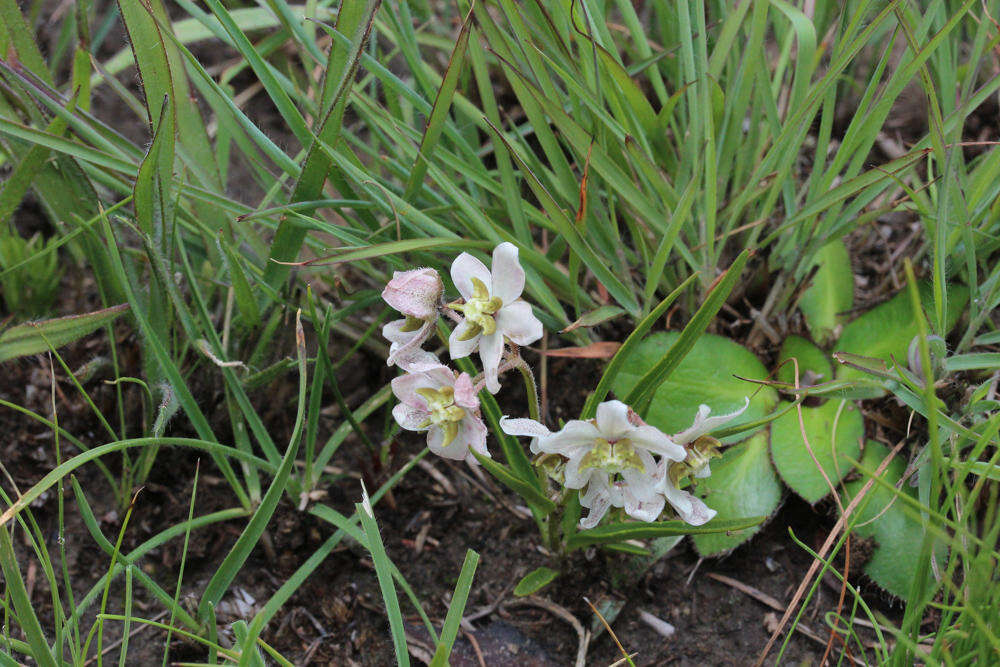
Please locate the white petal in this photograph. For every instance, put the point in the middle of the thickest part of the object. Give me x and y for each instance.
(490, 352)
(704, 424)
(409, 417)
(464, 269)
(654, 440)
(689, 508)
(612, 420)
(462, 348)
(394, 334)
(508, 276)
(456, 449)
(572, 478)
(643, 506)
(525, 427)
(473, 433)
(599, 502)
(518, 323)
(576, 434)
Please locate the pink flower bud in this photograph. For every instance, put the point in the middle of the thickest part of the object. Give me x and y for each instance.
(415, 293)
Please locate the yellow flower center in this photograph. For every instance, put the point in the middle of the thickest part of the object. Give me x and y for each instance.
(479, 311)
(443, 411)
(612, 457)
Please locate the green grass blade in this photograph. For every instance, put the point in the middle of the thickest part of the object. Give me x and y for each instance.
(449, 631)
(383, 572)
(251, 535)
(642, 393)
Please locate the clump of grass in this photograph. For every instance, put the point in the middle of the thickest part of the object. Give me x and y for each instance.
(631, 151)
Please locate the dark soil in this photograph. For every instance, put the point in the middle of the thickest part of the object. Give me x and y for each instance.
(427, 525)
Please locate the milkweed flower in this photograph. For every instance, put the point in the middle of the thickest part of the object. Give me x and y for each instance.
(609, 458)
(416, 294)
(444, 404)
(699, 450)
(493, 309)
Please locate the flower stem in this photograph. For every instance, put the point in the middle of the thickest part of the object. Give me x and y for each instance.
(529, 386)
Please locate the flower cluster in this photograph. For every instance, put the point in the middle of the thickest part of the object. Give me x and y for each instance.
(490, 315)
(613, 460)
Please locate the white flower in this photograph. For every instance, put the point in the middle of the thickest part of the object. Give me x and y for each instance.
(699, 450)
(611, 457)
(416, 294)
(493, 309)
(445, 405)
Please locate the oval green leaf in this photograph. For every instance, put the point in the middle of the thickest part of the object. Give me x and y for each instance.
(895, 527)
(834, 431)
(535, 581)
(885, 332)
(814, 364)
(830, 293)
(743, 483)
(706, 375)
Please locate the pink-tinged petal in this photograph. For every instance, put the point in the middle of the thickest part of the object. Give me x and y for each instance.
(508, 276)
(414, 360)
(689, 508)
(409, 417)
(441, 376)
(490, 352)
(465, 392)
(518, 323)
(393, 332)
(524, 427)
(415, 293)
(612, 420)
(455, 450)
(575, 435)
(654, 440)
(462, 348)
(704, 424)
(474, 434)
(464, 269)
(405, 388)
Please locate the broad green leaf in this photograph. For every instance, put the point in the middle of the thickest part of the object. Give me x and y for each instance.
(897, 530)
(885, 332)
(834, 431)
(830, 293)
(810, 359)
(535, 581)
(742, 483)
(35, 337)
(707, 375)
